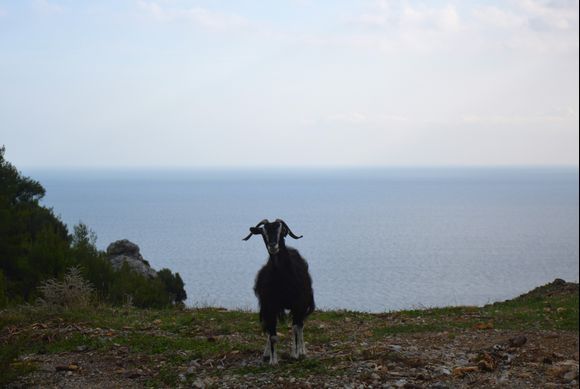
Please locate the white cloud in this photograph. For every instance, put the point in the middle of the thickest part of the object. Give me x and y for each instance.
(401, 26)
(347, 117)
(368, 19)
(561, 15)
(356, 118)
(47, 7)
(530, 14)
(497, 17)
(403, 15)
(200, 16)
(521, 119)
(442, 19)
(302, 3)
(528, 25)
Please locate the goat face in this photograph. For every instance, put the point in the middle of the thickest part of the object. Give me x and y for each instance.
(273, 237)
(273, 234)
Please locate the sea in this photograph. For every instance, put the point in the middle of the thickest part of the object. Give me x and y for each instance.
(376, 239)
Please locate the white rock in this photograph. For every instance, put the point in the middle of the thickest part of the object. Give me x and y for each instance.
(442, 370)
(124, 251)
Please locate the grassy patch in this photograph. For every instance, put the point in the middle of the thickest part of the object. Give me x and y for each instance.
(10, 367)
(341, 315)
(529, 312)
(557, 313)
(70, 342)
(190, 347)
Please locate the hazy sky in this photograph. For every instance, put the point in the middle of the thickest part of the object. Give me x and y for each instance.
(289, 82)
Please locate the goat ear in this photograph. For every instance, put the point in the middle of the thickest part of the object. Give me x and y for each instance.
(253, 231)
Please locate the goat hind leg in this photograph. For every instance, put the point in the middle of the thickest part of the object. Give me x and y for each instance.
(298, 349)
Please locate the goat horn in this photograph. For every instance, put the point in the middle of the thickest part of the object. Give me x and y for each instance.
(288, 229)
(257, 225)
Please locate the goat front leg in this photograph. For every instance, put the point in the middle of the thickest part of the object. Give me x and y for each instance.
(270, 355)
(270, 349)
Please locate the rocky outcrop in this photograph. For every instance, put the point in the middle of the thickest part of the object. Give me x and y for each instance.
(125, 251)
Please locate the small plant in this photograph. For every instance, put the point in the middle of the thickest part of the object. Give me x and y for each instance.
(72, 291)
(128, 302)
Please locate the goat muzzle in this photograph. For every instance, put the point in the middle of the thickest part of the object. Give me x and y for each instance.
(273, 249)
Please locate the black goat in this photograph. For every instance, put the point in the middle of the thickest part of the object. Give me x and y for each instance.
(282, 283)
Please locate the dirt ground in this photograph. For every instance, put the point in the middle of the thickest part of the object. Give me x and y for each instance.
(430, 360)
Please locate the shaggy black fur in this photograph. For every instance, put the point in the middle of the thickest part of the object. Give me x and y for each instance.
(284, 283)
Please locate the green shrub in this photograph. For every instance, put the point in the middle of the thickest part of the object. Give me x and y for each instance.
(3, 299)
(173, 285)
(143, 292)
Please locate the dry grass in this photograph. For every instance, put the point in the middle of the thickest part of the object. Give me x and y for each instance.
(72, 292)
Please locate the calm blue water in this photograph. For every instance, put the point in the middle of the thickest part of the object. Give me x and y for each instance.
(376, 240)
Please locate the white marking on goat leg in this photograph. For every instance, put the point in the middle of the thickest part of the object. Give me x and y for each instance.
(267, 350)
(295, 342)
(273, 356)
(301, 344)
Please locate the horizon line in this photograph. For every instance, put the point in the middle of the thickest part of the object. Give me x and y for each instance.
(290, 167)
